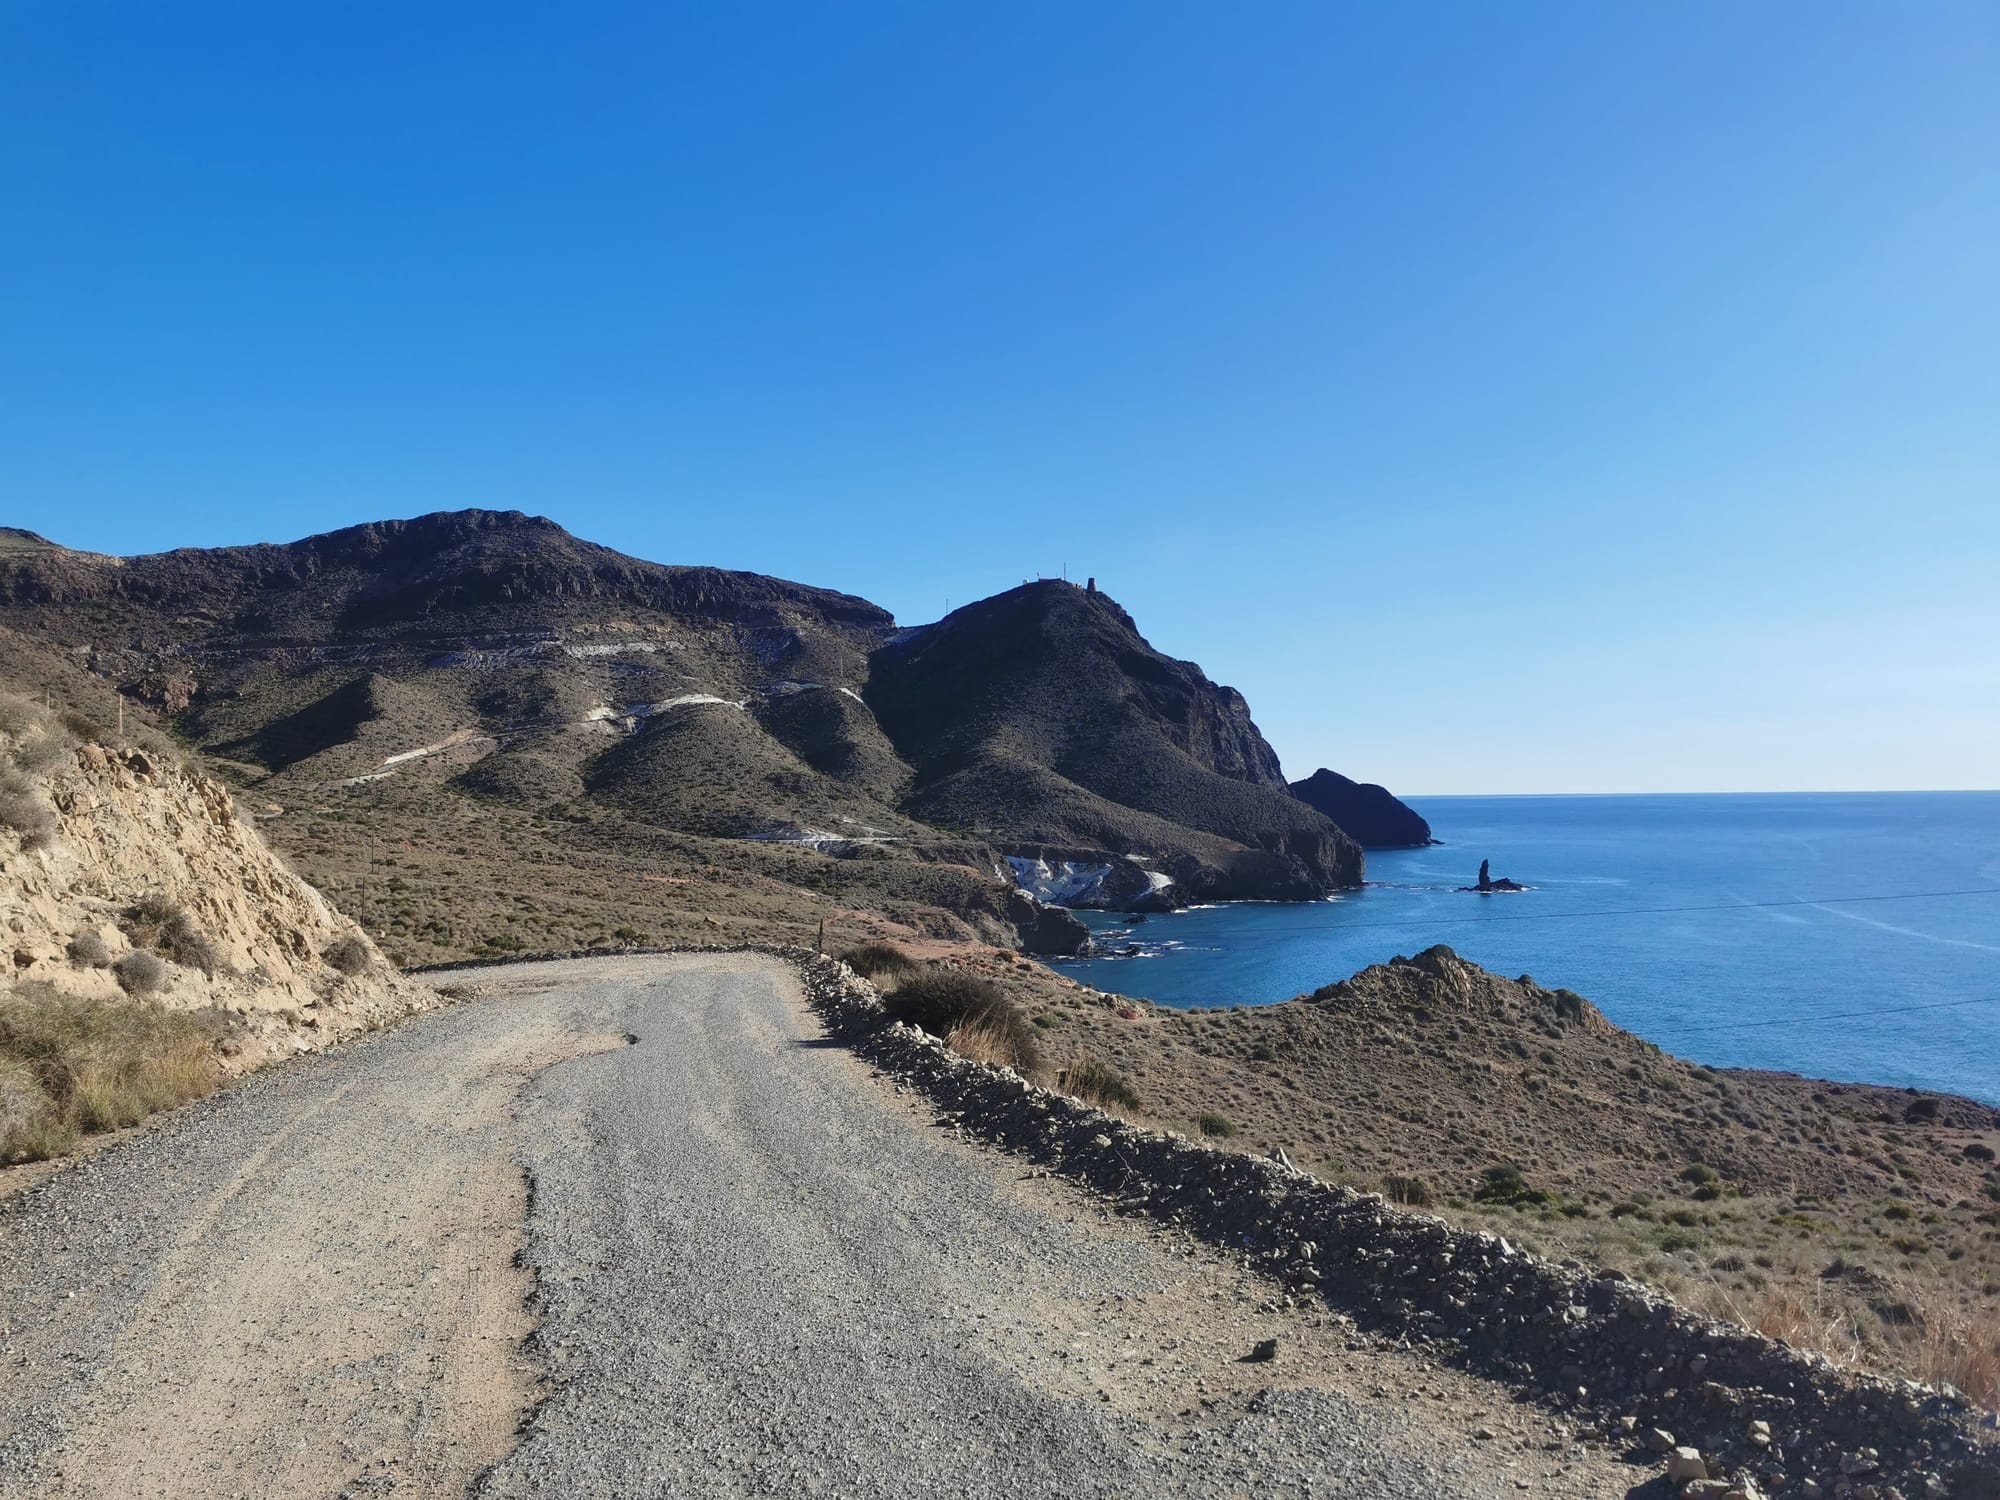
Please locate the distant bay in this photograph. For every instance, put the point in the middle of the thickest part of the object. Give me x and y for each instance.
(1814, 933)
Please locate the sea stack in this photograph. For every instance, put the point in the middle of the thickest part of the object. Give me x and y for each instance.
(1488, 884)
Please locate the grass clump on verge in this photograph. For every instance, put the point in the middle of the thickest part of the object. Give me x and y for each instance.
(878, 960)
(1099, 1083)
(69, 1066)
(963, 1008)
(163, 924)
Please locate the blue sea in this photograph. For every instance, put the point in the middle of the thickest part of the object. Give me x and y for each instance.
(1819, 934)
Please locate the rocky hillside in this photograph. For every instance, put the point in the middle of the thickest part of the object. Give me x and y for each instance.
(124, 873)
(1366, 813)
(476, 700)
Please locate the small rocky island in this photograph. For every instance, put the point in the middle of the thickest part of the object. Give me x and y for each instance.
(1487, 884)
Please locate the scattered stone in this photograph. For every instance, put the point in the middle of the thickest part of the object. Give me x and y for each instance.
(1684, 1464)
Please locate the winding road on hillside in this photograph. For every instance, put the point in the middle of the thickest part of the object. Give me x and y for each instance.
(633, 1227)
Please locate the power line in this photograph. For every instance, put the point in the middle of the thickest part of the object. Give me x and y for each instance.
(1839, 1015)
(1630, 911)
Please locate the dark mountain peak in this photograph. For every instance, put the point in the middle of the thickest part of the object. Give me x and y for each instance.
(1366, 813)
(1048, 606)
(1042, 716)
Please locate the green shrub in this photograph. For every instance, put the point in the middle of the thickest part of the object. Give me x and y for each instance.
(946, 1002)
(1411, 1192)
(1699, 1174)
(876, 960)
(1506, 1184)
(1208, 1122)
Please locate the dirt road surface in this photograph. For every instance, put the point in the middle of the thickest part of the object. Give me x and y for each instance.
(632, 1227)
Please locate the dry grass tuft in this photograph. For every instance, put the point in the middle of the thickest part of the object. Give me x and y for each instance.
(69, 1066)
(984, 1040)
(1800, 1313)
(945, 1002)
(1960, 1346)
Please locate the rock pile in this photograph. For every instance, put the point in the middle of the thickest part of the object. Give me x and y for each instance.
(1731, 1412)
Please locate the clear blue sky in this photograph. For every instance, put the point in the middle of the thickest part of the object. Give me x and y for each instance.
(1521, 397)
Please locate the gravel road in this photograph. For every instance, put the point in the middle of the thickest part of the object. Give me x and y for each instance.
(631, 1227)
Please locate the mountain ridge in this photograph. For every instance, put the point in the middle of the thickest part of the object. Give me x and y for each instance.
(490, 664)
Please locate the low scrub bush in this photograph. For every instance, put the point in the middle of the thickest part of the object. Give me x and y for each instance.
(1506, 1184)
(878, 960)
(1208, 1122)
(25, 809)
(141, 973)
(1099, 1083)
(84, 727)
(88, 950)
(18, 714)
(69, 1066)
(44, 750)
(163, 924)
(348, 954)
(949, 1003)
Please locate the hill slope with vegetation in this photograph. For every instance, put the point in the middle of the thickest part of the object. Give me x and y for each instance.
(155, 944)
(486, 734)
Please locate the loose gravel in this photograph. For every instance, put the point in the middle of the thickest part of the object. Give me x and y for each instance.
(751, 1268)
